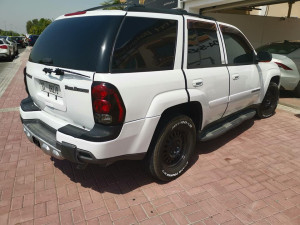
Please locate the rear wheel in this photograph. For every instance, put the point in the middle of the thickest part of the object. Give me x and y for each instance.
(10, 58)
(174, 145)
(270, 102)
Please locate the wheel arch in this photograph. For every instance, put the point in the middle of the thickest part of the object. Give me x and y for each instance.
(191, 109)
(272, 75)
(276, 80)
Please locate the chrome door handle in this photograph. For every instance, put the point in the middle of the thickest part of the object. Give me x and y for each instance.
(235, 77)
(197, 83)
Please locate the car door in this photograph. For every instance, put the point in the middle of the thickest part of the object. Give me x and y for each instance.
(204, 66)
(243, 70)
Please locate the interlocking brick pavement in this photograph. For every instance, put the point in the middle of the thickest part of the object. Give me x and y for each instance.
(250, 175)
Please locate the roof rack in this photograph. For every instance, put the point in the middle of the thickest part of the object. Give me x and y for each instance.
(143, 8)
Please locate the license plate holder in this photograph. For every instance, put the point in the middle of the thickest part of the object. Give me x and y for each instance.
(50, 88)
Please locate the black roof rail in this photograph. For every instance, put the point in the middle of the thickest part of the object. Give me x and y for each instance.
(113, 5)
(143, 8)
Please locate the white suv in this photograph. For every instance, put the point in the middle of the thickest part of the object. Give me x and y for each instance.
(144, 84)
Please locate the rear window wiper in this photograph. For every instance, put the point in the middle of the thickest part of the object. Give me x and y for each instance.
(61, 72)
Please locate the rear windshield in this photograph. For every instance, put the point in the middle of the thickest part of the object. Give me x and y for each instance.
(82, 43)
(280, 48)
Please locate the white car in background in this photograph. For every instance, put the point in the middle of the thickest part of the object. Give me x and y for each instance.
(6, 50)
(11, 42)
(286, 55)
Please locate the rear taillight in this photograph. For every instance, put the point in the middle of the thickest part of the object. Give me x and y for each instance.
(3, 46)
(75, 13)
(285, 67)
(108, 106)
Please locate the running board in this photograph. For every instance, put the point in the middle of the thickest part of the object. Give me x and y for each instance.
(225, 126)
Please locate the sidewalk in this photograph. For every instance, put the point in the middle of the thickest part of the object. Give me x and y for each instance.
(250, 175)
(14, 84)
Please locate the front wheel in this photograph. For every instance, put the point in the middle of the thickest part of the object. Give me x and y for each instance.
(171, 152)
(270, 102)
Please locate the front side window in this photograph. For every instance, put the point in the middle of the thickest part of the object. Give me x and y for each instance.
(203, 45)
(145, 44)
(238, 48)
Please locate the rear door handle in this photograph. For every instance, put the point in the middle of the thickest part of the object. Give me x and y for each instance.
(197, 83)
(235, 77)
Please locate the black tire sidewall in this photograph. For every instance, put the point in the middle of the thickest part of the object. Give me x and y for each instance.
(261, 112)
(166, 173)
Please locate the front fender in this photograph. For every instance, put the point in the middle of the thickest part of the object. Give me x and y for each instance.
(269, 70)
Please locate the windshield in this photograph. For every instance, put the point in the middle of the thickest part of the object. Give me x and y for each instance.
(280, 48)
(82, 43)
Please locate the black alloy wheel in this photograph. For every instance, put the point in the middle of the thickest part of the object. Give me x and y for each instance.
(270, 102)
(169, 154)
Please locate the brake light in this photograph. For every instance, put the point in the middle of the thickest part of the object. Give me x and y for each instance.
(285, 67)
(108, 106)
(3, 46)
(75, 13)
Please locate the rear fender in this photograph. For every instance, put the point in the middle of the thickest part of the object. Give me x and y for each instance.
(166, 100)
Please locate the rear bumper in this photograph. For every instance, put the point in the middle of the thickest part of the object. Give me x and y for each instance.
(43, 136)
(4, 54)
(98, 146)
(289, 80)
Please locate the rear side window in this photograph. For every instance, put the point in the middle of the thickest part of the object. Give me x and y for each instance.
(203, 45)
(145, 44)
(1, 42)
(81, 43)
(238, 48)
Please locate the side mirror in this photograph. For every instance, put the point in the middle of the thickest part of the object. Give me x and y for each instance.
(264, 57)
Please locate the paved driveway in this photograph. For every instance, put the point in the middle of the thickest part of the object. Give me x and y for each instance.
(248, 176)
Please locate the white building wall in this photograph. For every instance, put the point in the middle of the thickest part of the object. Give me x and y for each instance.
(261, 29)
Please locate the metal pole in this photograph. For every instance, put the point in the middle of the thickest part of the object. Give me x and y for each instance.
(290, 8)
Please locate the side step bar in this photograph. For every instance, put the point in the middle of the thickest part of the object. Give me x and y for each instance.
(223, 127)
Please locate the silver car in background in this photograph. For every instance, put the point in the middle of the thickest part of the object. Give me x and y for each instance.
(12, 43)
(286, 54)
(6, 50)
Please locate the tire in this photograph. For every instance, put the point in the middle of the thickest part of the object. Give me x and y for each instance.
(169, 154)
(270, 102)
(9, 58)
(297, 90)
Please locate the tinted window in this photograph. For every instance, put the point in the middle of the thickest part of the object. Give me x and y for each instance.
(5, 42)
(1, 42)
(145, 44)
(280, 48)
(82, 43)
(238, 49)
(203, 45)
